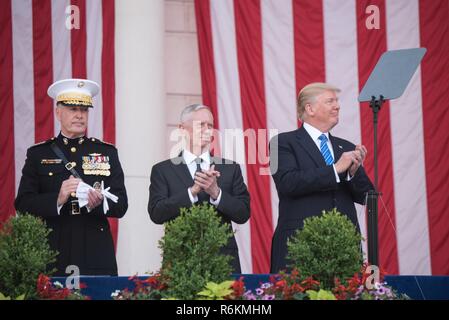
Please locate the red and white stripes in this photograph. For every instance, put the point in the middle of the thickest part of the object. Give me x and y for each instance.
(42, 68)
(308, 42)
(22, 68)
(255, 56)
(434, 35)
(371, 43)
(108, 71)
(62, 65)
(252, 91)
(402, 18)
(228, 99)
(258, 54)
(279, 75)
(8, 166)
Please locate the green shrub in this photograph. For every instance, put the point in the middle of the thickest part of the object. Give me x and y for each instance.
(191, 251)
(328, 247)
(24, 254)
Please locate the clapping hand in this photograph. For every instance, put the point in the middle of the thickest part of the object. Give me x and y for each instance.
(207, 181)
(359, 156)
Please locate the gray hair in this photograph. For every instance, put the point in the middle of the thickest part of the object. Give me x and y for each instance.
(309, 93)
(192, 108)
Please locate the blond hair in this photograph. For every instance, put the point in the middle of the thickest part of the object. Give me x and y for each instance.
(309, 93)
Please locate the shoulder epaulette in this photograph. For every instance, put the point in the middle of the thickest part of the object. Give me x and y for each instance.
(43, 142)
(95, 140)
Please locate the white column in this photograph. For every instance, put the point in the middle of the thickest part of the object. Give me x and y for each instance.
(140, 114)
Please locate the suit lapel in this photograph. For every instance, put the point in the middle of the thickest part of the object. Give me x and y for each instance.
(218, 167)
(338, 148)
(182, 171)
(310, 147)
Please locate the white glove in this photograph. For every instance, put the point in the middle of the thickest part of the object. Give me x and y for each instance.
(82, 194)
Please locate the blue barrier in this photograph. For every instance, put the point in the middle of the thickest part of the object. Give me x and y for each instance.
(416, 287)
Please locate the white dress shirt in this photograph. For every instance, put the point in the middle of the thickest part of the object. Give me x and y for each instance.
(314, 133)
(189, 159)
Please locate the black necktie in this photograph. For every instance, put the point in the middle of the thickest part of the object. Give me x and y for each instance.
(202, 196)
(198, 165)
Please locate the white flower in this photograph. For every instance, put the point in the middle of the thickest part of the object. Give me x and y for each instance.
(58, 284)
(266, 285)
(115, 293)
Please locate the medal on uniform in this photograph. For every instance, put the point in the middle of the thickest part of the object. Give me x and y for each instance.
(96, 164)
(97, 186)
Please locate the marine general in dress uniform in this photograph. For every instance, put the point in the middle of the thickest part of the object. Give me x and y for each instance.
(52, 174)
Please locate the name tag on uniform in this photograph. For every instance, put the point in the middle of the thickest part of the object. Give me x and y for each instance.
(51, 161)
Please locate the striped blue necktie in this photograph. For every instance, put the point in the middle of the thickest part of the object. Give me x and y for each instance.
(327, 155)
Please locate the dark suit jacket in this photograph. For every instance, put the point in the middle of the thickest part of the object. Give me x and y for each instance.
(306, 187)
(85, 239)
(170, 180)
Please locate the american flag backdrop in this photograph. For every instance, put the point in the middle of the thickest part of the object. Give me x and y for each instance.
(257, 54)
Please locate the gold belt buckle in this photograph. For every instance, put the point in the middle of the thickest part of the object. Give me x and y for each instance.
(75, 207)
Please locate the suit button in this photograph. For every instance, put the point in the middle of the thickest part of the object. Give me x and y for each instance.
(101, 229)
(50, 174)
(73, 149)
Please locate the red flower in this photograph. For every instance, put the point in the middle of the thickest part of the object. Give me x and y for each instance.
(310, 284)
(281, 283)
(156, 282)
(294, 274)
(239, 288)
(295, 288)
(43, 285)
(273, 278)
(46, 290)
(343, 292)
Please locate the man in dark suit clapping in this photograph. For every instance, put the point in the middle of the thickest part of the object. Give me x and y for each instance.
(196, 176)
(314, 171)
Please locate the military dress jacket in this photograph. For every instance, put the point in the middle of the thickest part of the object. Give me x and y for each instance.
(82, 238)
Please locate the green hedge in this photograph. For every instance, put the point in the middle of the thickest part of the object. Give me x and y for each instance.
(328, 247)
(191, 251)
(24, 254)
